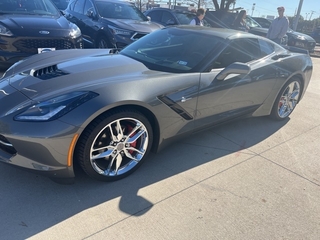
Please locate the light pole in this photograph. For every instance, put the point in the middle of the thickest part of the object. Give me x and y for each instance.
(296, 20)
(307, 16)
(253, 5)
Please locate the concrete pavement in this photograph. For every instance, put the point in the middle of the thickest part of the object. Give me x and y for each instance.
(251, 179)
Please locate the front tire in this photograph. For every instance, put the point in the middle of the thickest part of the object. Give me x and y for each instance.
(114, 145)
(287, 100)
(103, 42)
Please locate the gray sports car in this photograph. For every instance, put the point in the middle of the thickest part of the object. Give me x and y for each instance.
(107, 110)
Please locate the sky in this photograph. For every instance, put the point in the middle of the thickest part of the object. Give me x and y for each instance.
(310, 8)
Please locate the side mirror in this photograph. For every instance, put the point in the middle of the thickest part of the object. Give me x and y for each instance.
(90, 14)
(234, 68)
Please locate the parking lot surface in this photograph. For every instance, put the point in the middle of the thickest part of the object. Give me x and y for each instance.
(250, 179)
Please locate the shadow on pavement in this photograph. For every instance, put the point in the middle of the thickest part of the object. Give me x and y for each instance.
(34, 203)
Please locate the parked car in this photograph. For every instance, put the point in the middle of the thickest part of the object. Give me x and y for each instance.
(166, 16)
(264, 22)
(301, 40)
(225, 19)
(108, 111)
(61, 4)
(29, 27)
(109, 23)
(316, 34)
(295, 39)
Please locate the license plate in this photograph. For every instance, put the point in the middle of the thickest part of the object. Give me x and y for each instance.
(42, 50)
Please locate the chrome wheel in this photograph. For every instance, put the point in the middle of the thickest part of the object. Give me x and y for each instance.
(114, 145)
(119, 147)
(287, 100)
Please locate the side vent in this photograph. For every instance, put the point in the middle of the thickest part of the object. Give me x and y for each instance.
(48, 72)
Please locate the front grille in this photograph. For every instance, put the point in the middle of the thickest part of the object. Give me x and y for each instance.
(6, 146)
(32, 45)
(48, 72)
(137, 36)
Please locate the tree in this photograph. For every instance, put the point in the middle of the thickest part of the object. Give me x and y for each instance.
(224, 4)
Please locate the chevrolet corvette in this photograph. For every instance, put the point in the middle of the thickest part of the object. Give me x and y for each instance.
(106, 110)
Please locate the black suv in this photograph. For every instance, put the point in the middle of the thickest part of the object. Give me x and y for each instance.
(30, 27)
(109, 23)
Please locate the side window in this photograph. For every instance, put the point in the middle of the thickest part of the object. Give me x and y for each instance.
(166, 17)
(155, 16)
(266, 48)
(71, 5)
(240, 50)
(88, 7)
(78, 6)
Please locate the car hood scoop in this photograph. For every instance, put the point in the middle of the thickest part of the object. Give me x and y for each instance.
(47, 72)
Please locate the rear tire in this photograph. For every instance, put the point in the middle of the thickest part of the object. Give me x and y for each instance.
(287, 100)
(114, 145)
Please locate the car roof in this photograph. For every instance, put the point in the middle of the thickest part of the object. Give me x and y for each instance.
(169, 10)
(224, 33)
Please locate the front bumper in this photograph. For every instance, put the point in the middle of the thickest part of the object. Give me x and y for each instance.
(38, 147)
(308, 45)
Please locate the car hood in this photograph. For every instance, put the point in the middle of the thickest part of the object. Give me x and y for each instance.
(135, 25)
(74, 69)
(28, 25)
(300, 35)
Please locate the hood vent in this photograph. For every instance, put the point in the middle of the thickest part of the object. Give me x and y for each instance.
(48, 72)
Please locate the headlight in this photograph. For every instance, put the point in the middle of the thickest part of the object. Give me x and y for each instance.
(5, 31)
(300, 37)
(119, 31)
(75, 31)
(54, 108)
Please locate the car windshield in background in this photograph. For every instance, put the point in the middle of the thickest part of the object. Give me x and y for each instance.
(172, 50)
(252, 23)
(31, 7)
(185, 18)
(119, 11)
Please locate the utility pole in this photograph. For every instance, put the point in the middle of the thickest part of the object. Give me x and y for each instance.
(311, 15)
(296, 20)
(253, 5)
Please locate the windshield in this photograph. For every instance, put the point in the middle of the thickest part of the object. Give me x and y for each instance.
(185, 18)
(173, 49)
(252, 23)
(30, 7)
(120, 11)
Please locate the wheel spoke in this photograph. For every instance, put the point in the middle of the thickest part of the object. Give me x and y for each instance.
(109, 168)
(119, 131)
(114, 138)
(118, 163)
(103, 154)
(136, 136)
(137, 156)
